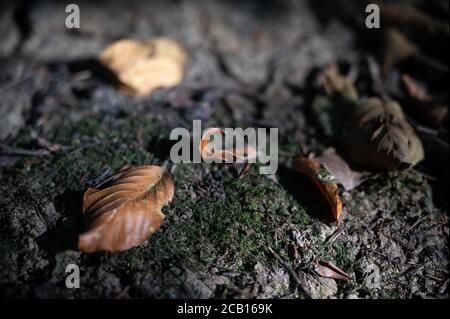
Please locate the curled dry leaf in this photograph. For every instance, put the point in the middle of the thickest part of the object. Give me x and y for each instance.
(380, 136)
(239, 155)
(128, 211)
(376, 133)
(341, 171)
(396, 48)
(142, 67)
(329, 270)
(324, 181)
(335, 83)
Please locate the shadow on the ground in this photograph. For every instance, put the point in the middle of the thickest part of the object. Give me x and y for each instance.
(305, 192)
(440, 195)
(64, 235)
(92, 65)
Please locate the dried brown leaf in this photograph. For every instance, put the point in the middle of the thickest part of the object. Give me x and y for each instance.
(335, 83)
(396, 48)
(376, 132)
(240, 155)
(128, 211)
(328, 270)
(324, 181)
(143, 67)
(380, 136)
(422, 105)
(341, 171)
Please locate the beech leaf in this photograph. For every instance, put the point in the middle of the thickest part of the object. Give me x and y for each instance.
(342, 173)
(380, 136)
(325, 183)
(239, 155)
(143, 67)
(375, 132)
(128, 211)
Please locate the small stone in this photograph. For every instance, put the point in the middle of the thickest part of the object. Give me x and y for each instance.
(373, 277)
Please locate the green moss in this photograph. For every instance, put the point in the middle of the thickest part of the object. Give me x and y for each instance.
(395, 181)
(23, 140)
(218, 226)
(238, 228)
(345, 256)
(232, 227)
(89, 126)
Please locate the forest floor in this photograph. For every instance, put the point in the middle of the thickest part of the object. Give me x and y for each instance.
(249, 65)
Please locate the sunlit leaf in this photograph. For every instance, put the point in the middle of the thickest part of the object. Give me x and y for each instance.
(143, 67)
(128, 211)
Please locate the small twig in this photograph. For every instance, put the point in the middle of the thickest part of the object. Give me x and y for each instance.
(121, 294)
(42, 214)
(74, 149)
(291, 272)
(425, 175)
(244, 170)
(335, 235)
(15, 83)
(8, 150)
(286, 153)
(101, 178)
(435, 278)
(426, 130)
(417, 222)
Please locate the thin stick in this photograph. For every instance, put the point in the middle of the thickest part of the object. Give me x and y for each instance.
(291, 272)
(244, 170)
(8, 150)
